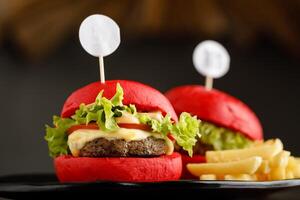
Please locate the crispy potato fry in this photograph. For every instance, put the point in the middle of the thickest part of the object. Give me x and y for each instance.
(240, 177)
(264, 167)
(245, 166)
(280, 160)
(262, 177)
(267, 151)
(271, 141)
(293, 167)
(291, 162)
(278, 173)
(263, 161)
(296, 171)
(289, 174)
(208, 177)
(257, 143)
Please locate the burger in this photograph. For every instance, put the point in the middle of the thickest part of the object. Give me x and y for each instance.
(226, 122)
(119, 131)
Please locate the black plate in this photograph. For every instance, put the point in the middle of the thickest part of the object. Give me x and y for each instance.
(46, 185)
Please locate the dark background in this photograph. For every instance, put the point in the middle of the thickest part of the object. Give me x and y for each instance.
(40, 67)
(263, 77)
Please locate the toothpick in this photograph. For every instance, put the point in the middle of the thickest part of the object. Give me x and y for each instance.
(209, 83)
(101, 67)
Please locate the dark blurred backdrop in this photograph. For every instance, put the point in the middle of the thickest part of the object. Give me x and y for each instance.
(42, 62)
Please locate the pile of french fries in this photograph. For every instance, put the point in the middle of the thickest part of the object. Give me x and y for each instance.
(264, 161)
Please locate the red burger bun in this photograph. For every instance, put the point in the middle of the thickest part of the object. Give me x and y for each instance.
(216, 107)
(124, 169)
(144, 97)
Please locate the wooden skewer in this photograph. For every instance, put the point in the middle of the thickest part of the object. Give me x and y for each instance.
(208, 83)
(101, 70)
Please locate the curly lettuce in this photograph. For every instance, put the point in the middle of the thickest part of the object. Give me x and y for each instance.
(57, 137)
(103, 112)
(185, 131)
(222, 138)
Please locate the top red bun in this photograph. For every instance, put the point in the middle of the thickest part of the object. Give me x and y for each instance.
(145, 98)
(216, 107)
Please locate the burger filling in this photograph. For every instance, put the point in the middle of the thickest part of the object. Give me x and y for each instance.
(217, 138)
(107, 128)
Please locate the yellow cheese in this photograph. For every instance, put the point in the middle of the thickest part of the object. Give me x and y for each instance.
(80, 137)
(154, 115)
(129, 118)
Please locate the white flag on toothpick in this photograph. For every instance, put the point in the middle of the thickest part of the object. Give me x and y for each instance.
(99, 35)
(211, 60)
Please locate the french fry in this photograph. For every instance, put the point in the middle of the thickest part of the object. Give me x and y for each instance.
(263, 161)
(264, 167)
(289, 174)
(258, 143)
(296, 171)
(262, 177)
(291, 162)
(240, 177)
(266, 151)
(278, 174)
(208, 177)
(280, 160)
(245, 166)
(293, 168)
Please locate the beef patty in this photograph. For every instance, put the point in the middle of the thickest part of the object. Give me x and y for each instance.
(102, 147)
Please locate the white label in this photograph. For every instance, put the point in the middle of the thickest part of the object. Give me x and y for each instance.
(211, 59)
(99, 35)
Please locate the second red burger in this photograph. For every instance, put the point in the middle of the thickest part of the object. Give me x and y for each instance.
(226, 122)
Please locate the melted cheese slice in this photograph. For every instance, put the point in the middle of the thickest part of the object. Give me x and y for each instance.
(80, 137)
(128, 118)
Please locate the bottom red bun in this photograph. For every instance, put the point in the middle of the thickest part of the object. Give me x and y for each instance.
(84, 169)
(187, 159)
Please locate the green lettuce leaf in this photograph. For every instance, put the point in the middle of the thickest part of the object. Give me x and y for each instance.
(57, 137)
(221, 138)
(103, 112)
(163, 127)
(186, 132)
(117, 99)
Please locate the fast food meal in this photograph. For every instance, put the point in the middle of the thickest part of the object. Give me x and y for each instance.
(120, 131)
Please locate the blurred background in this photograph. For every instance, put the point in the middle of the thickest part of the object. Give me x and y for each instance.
(42, 62)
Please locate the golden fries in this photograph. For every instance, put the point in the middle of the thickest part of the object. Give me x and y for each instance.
(246, 166)
(277, 174)
(289, 174)
(280, 160)
(263, 161)
(240, 177)
(296, 171)
(264, 167)
(266, 151)
(208, 177)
